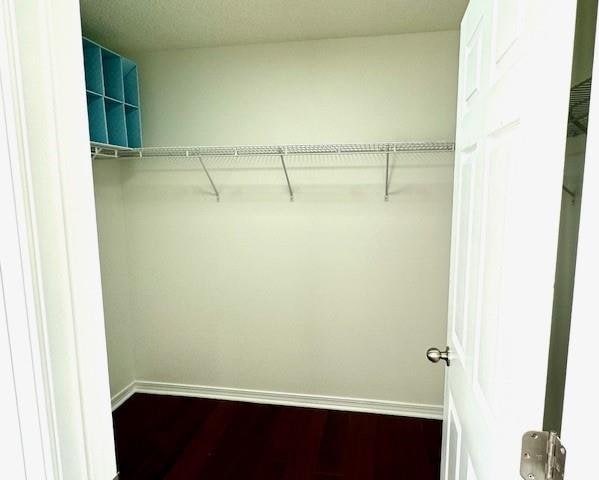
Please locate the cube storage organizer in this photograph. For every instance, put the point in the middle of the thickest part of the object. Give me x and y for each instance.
(112, 88)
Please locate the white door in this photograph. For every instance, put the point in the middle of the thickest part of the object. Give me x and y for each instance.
(515, 63)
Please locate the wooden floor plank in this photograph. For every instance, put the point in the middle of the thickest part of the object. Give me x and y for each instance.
(202, 445)
(360, 457)
(333, 447)
(181, 438)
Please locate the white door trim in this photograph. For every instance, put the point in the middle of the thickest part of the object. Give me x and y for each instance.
(25, 356)
(56, 182)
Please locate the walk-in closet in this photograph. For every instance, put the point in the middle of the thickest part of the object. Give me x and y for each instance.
(282, 235)
(274, 197)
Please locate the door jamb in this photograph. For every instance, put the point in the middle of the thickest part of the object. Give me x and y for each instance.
(579, 420)
(58, 225)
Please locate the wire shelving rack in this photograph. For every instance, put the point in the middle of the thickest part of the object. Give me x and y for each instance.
(386, 149)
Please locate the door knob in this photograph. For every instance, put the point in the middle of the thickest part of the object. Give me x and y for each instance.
(435, 355)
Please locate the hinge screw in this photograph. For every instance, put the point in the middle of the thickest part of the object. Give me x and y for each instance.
(531, 476)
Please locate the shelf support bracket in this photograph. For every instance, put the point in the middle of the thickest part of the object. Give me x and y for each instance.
(209, 179)
(291, 198)
(387, 178)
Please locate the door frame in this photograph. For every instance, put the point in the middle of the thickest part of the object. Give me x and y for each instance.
(61, 252)
(57, 226)
(579, 420)
(27, 448)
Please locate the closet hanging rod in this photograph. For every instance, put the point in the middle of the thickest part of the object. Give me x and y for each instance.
(100, 150)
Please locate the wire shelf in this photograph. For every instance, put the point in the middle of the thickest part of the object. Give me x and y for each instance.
(99, 150)
(578, 115)
(102, 150)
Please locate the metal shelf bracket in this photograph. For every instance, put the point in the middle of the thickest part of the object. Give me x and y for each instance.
(387, 178)
(210, 179)
(214, 189)
(291, 197)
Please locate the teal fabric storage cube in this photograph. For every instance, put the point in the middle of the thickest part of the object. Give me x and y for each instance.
(132, 117)
(96, 114)
(112, 85)
(116, 123)
(130, 82)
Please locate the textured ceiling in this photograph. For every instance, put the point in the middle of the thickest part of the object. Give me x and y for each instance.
(142, 25)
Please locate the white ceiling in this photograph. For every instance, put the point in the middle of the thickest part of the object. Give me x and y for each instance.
(142, 25)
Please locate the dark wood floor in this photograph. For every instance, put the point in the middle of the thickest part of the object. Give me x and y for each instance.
(161, 437)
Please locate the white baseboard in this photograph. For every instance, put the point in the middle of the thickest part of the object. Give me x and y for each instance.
(385, 407)
(121, 397)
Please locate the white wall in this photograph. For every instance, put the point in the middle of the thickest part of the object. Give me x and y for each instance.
(112, 236)
(338, 293)
(357, 89)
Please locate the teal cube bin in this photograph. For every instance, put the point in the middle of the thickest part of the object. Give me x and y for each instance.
(112, 84)
(112, 68)
(96, 116)
(133, 126)
(130, 83)
(115, 122)
(92, 57)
